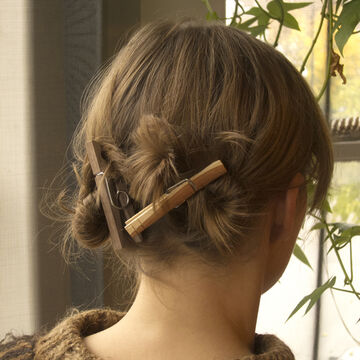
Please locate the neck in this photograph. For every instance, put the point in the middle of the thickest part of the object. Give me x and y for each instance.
(211, 314)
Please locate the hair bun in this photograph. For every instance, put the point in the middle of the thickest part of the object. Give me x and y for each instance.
(152, 161)
(89, 225)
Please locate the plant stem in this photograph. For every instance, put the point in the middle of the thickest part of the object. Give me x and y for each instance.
(263, 10)
(208, 6)
(237, 4)
(235, 14)
(330, 49)
(265, 39)
(331, 25)
(280, 26)
(341, 317)
(317, 218)
(323, 88)
(316, 36)
(347, 279)
(351, 263)
(233, 19)
(343, 290)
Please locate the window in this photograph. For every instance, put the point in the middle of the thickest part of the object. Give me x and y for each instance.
(321, 334)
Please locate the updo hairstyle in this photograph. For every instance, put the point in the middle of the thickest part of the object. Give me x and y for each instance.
(177, 97)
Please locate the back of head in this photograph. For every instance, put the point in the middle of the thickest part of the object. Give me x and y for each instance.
(179, 96)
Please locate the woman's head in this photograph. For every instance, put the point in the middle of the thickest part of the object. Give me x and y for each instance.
(179, 96)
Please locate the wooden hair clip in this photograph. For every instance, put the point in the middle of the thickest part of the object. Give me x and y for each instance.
(115, 200)
(174, 197)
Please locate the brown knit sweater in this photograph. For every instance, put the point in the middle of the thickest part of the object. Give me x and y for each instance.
(65, 340)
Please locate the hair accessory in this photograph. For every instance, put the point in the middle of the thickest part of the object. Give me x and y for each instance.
(114, 199)
(173, 197)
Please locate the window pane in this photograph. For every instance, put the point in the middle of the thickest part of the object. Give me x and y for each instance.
(335, 340)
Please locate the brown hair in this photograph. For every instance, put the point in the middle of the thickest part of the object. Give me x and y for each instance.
(178, 96)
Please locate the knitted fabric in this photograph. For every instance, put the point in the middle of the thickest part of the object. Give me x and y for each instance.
(65, 340)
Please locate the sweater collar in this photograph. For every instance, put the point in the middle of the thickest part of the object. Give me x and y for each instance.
(65, 340)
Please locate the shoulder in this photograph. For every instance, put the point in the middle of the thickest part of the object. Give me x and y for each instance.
(65, 340)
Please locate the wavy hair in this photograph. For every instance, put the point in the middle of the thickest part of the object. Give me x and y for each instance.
(177, 96)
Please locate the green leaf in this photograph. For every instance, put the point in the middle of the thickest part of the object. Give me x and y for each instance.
(293, 6)
(340, 241)
(287, 6)
(346, 228)
(291, 22)
(274, 9)
(299, 306)
(299, 253)
(346, 233)
(346, 23)
(246, 24)
(257, 30)
(278, 13)
(263, 20)
(326, 206)
(313, 297)
(261, 16)
(318, 226)
(255, 11)
(353, 230)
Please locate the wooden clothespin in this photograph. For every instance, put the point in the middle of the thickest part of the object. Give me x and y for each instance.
(115, 201)
(174, 197)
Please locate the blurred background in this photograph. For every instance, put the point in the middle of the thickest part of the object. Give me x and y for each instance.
(50, 50)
